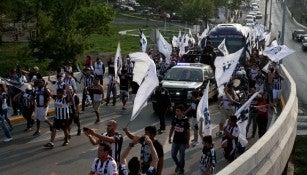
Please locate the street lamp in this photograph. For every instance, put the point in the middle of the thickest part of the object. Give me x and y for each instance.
(265, 13)
(270, 24)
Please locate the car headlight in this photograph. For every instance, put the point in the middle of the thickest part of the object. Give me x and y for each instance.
(177, 93)
(189, 94)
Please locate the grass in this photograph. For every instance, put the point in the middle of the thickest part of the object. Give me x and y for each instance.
(299, 156)
(12, 53)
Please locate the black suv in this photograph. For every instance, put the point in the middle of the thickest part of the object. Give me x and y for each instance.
(184, 78)
(304, 44)
(296, 35)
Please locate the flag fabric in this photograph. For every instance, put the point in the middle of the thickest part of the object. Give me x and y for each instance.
(277, 52)
(203, 112)
(225, 66)
(203, 35)
(175, 41)
(143, 41)
(118, 62)
(164, 47)
(222, 47)
(242, 114)
(141, 63)
(147, 84)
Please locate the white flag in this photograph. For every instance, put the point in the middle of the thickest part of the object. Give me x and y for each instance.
(242, 114)
(203, 112)
(164, 47)
(147, 86)
(224, 67)
(222, 47)
(141, 64)
(277, 53)
(175, 41)
(203, 35)
(118, 62)
(143, 41)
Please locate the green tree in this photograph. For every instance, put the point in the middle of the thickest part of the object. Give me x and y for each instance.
(198, 9)
(63, 26)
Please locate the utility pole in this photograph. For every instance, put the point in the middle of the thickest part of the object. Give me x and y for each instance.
(282, 38)
(270, 24)
(265, 13)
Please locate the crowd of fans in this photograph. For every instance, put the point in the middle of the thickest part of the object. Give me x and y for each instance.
(255, 74)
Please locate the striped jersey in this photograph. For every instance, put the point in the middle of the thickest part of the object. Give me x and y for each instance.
(27, 100)
(61, 108)
(70, 81)
(41, 96)
(117, 146)
(88, 80)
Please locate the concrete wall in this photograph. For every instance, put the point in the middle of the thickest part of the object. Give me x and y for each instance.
(270, 154)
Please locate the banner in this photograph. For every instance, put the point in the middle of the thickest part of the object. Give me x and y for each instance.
(118, 62)
(277, 52)
(203, 112)
(164, 47)
(143, 41)
(222, 47)
(147, 85)
(242, 114)
(175, 41)
(224, 67)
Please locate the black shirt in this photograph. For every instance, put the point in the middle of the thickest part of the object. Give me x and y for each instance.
(181, 130)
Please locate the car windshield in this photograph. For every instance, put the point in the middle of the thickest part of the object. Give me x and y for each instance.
(300, 32)
(184, 74)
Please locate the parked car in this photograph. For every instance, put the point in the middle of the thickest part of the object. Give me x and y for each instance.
(296, 34)
(258, 15)
(249, 22)
(304, 44)
(184, 78)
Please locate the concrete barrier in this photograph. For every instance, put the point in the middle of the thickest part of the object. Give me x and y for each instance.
(270, 154)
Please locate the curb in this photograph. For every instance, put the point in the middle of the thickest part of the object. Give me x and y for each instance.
(19, 118)
(297, 23)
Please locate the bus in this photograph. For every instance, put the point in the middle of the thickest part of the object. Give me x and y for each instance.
(235, 36)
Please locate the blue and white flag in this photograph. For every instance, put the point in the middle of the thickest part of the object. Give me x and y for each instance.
(225, 65)
(242, 114)
(203, 112)
(222, 47)
(277, 52)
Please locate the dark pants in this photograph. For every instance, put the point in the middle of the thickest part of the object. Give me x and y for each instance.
(27, 114)
(262, 122)
(113, 91)
(100, 77)
(162, 113)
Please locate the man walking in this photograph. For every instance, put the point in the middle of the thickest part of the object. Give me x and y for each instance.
(180, 127)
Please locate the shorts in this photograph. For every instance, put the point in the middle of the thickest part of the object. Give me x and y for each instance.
(276, 94)
(40, 113)
(60, 124)
(124, 95)
(96, 105)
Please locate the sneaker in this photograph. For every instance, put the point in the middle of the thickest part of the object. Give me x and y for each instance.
(181, 172)
(27, 129)
(123, 108)
(65, 143)
(176, 169)
(81, 112)
(37, 133)
(49, 145)
(8, 139)
(97, 121)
